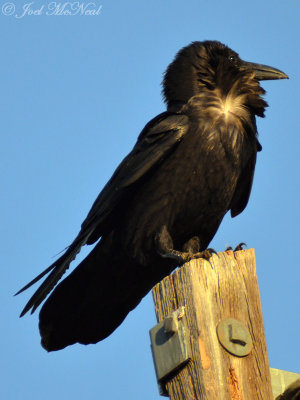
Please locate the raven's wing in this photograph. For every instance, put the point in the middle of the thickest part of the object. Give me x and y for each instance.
(243, 188)
(156, 141)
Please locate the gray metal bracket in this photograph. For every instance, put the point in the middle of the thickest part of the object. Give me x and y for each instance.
(170, 346)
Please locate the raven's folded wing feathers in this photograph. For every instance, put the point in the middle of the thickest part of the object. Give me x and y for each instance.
(156, 142)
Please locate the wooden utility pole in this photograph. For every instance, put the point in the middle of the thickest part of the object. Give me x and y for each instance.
(224, 329)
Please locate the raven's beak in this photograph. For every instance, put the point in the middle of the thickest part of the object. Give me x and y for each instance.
(263, 72)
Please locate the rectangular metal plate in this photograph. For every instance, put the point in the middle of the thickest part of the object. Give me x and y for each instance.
(171, 350)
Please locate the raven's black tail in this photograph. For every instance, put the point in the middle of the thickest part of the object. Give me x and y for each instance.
(94, 299)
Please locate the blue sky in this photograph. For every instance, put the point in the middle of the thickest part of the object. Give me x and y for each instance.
(75, 93)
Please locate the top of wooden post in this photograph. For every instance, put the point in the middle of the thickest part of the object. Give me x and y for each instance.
(213, 292)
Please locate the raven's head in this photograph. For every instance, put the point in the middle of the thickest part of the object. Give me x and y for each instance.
(210, 65)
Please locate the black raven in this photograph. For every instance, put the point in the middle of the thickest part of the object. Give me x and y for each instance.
(190, 165)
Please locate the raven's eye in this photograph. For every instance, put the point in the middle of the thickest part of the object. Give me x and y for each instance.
(232, 58)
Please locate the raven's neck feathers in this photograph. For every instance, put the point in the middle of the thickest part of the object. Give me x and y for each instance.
(196, 71)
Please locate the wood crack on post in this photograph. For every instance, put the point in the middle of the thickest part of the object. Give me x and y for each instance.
(226, 290)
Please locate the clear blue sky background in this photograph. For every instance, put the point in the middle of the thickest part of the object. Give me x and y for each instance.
(75, 93)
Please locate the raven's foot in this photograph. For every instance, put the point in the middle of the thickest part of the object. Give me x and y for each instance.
(165, 248)
(237, 248)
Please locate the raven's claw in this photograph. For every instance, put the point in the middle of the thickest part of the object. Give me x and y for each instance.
(165, 249)
(237, 248)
